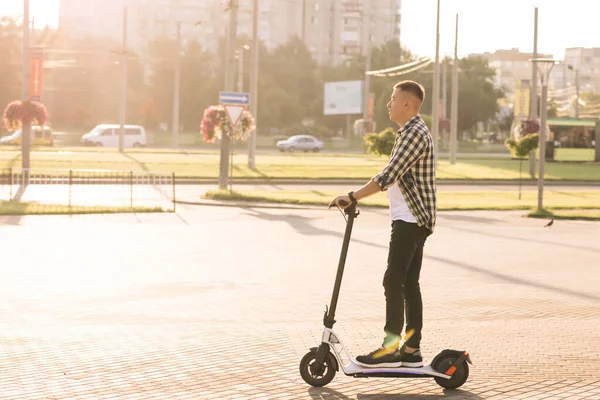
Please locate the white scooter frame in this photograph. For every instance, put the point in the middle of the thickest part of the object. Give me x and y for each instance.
(449, 368)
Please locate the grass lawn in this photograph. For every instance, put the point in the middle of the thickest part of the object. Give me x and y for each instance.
(26, 208)
(574, 154)
(191, 164)
(463, 200)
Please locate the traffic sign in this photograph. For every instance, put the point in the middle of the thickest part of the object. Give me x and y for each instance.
(234, 113)
(234, 98)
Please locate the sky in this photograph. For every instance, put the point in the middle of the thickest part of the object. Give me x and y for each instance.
(485, 25)
(489, 25)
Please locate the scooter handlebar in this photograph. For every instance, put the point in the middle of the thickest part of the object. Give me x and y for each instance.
(352, 208)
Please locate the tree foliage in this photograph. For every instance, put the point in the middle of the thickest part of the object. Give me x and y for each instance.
(83, 83)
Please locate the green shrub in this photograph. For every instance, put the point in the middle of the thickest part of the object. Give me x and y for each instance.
(380, 143)
(522, 147)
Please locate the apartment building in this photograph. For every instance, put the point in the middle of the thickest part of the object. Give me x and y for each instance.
(333, 30)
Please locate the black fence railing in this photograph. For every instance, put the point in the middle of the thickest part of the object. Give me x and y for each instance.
(89, 187)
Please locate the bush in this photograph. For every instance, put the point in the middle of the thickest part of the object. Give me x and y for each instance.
(521, 148)
(380, 143)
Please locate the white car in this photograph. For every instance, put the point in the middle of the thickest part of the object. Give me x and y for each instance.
(107, 135)
(304, 143)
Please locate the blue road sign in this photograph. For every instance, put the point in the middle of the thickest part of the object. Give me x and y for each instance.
(234, 98)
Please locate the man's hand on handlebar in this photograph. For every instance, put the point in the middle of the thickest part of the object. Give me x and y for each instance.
(342, 202)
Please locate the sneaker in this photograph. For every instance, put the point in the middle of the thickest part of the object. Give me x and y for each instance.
(411, 360)
(382, 357)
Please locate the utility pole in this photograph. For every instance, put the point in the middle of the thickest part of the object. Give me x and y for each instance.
(444, 98)
(229, 85)
(444, 89)
(240, 83)
(548, 64)
(577, 88)
(435, 100)
(26, 126)
(176, 95)
(533, 112)
(454, 108)
(254, 88)
(367, 85)
(572, 68)
(123, 114)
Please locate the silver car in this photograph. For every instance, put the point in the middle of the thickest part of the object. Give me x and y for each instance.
(304, 143)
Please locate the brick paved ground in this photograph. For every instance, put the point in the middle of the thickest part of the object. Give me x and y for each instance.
(223, 302)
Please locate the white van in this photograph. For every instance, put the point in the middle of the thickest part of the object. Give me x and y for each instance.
(107, 135)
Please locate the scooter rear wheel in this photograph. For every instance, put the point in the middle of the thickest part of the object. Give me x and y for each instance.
(317, 376)
(459, 377)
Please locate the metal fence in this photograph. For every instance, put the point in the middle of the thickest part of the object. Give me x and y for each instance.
(89, 187)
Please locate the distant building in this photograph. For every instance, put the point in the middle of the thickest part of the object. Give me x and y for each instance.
(587, 62)
(512, 66)
(332, 29)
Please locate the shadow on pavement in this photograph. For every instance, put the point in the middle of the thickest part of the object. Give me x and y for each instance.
(14, 219)
(498, 235)
(456, 216)
(330, 394)
(513, 280)
(304, 227)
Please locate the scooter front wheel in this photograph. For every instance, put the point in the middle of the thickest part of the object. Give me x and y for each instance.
(316, 375)
(460, 374)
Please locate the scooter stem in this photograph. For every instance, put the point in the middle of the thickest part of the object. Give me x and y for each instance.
(328, 319)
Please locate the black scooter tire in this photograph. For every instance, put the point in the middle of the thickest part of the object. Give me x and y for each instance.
(459, 377)
(317, 380)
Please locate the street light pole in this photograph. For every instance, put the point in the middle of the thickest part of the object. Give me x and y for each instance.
(533, 110)
(123, 108)
(548, 63)
(229, 85)
(454, 108)
(254, 89)
(177, 90)
(26, 126)
(435, 101)
(577, 88)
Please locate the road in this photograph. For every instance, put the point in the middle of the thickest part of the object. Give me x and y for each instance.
(221, 303)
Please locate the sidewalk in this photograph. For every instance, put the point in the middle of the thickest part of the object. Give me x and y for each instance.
(222, 303)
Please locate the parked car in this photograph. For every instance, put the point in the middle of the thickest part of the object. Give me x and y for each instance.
(39, 137)
(107, 135)
(304, 143)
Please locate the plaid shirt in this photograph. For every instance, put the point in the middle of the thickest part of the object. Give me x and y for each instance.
(412, 167)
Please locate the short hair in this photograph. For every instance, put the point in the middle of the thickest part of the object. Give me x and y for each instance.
(412, 87)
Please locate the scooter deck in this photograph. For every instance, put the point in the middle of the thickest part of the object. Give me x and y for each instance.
(358, 371)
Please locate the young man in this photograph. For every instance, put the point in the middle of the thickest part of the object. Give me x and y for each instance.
(409, 178)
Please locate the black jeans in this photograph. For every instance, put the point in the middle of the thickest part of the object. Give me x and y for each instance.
(401, 281)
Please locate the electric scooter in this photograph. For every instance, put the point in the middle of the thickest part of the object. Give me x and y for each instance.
(449, 368)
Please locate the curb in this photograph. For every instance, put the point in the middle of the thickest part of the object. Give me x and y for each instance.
(449, 182)
(236, 204)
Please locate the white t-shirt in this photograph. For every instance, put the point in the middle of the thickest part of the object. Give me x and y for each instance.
(398, 208)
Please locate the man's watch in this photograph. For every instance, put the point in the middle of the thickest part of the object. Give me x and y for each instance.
(352, 198)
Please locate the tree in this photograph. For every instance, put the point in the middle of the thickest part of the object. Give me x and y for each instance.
(199, 85)
(477, 96)
(10, 62)
(85, 77)
(162, 53)
(292, 86)
(149, 114)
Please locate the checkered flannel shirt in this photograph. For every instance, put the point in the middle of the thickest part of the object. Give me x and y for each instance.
(412, 167)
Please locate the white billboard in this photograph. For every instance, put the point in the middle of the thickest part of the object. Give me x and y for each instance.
(343, 98)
